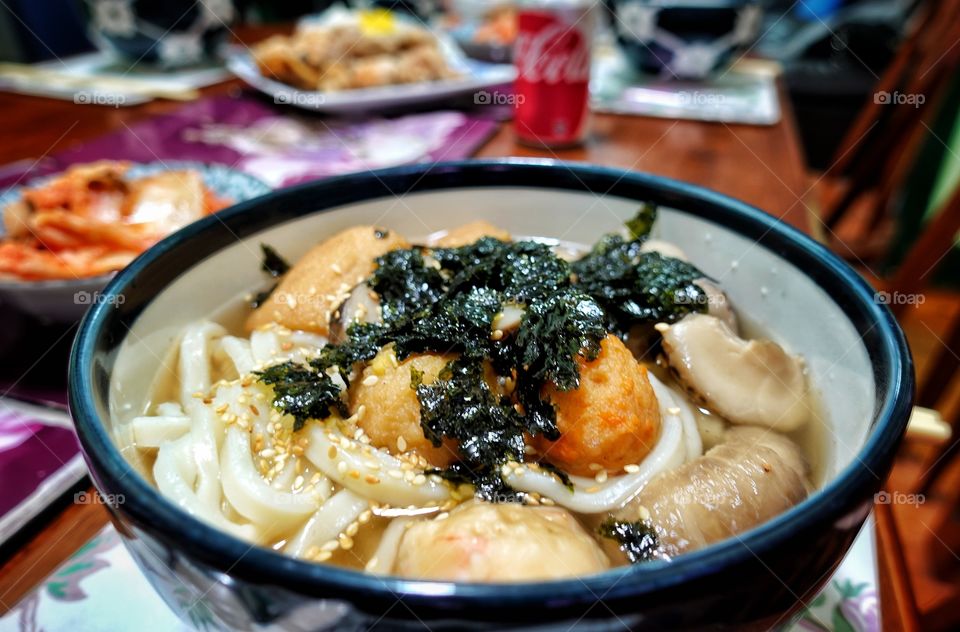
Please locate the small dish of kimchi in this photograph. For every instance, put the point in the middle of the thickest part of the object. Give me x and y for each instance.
(64, 236)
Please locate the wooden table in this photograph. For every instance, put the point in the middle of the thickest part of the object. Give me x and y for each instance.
(761, 165)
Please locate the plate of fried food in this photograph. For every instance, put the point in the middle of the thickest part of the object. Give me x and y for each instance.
(63, 236)
(348, 61)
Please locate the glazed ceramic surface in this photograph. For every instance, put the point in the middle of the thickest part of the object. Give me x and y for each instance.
(170, 34)
(780, 280)
(684, 39)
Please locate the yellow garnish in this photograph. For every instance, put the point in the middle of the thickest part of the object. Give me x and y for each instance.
(376, 22)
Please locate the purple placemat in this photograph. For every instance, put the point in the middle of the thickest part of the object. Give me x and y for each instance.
(279, 145)
(39, 460)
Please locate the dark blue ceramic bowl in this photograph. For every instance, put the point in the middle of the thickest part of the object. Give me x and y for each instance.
(781, 280)
(684, 39)
(171, 33)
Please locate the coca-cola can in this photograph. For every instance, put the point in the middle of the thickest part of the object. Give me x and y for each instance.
(552, 55)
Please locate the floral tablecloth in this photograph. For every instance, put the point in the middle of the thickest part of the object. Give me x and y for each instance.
(100, 588)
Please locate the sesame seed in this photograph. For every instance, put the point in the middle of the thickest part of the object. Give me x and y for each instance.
(370, 380)
(332, 452)
(547, 501)
(370, 478)
(330, 545)
(401, 444)
(342, 467)
(372, 564)
(673, 410)
(497, 334)
(312, 551)
(632, 468)
(601, 476)
(354, 474)
(419, 479)
(352, 529)
(222, 408)
(298, 482)
(365, 516)
(323, 556)
(336, 268)
(595, 467)
(346, 542)
(268, 453)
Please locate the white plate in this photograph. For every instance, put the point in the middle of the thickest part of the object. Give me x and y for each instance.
(66, 300)
(475, 76)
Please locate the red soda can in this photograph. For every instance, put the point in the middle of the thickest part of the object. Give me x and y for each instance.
(552, 55)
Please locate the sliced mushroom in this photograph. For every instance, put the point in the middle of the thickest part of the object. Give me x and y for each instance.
(361, 306)
(753, 382)
(717, 302)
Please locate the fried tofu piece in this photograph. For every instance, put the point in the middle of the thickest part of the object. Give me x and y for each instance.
(469, 233)
(311, 291)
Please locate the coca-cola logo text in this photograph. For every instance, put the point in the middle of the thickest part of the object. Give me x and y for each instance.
(554, 53)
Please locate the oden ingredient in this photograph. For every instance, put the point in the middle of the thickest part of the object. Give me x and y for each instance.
(753, 476)
(312, 290)
(391, 415)
(482, 542)
(611, 420)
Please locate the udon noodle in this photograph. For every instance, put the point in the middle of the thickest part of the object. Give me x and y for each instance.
(652, 453)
